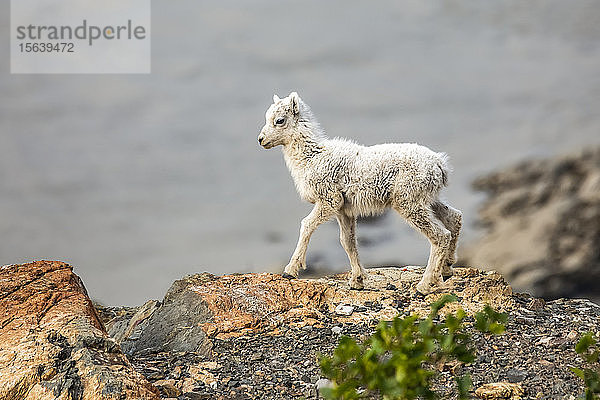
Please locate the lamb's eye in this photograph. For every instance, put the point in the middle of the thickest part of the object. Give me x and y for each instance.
(279, 121)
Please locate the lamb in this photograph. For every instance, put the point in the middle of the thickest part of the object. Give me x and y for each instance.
(346, 180)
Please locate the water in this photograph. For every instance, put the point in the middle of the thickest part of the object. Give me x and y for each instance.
(139, 180)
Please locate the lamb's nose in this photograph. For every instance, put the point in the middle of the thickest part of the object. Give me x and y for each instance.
(260, 139)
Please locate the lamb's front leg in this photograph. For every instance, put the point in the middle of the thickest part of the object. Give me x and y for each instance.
(348, 241)
(317, 216)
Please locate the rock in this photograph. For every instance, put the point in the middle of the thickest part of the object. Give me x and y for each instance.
(343, 309)
(176, 372)
(500, 390)
(264, 333)
(536, 304)
(198, 373)
(260, 335)
(323, 383)
(167, 388)
(542, 225)
(188, 385)
(130, 327)
(572, 335)
(52, 342)
(277, 356)
(175, 325)
(525, 320)
(515, 375)
(208, 365)
(201, 307)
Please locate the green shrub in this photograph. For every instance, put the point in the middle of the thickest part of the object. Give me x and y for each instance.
(396, 362)
(587, 347)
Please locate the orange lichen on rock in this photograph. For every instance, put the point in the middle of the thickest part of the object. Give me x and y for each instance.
(52, 342)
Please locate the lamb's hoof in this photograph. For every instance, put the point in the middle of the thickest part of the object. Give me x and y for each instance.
(288, 276)
(447, 272)
(357, 283)
(419, 295)
(425, 288)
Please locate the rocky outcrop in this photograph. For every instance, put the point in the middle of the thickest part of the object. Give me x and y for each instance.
(542, 222)
(200, 307)
(247, 336)
(259, 334)
(52, 342)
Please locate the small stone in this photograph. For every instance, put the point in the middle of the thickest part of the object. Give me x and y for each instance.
(208, 365)
(572, 335)
(177, 372)
(48, 374)
(167, 388)
(525, 320)
(343, 309)
(197, 396)
(499, 390)
(233, 383)
(391, 287)
(188, 385)
(310, 392)
(323, 383)
(336, 330)
(536, 304)
(155, 376)
(515, 375)
(546, 341)
(199, 374)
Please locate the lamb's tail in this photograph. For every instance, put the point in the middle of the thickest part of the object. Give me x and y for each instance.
(445, 168)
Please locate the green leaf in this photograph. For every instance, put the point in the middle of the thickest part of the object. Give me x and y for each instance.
(464, 384)
(437, 305)
(496, 328)
(490, 321)
(593, 358)
(585, 343)
(578, 372)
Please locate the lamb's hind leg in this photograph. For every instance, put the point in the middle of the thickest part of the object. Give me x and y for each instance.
(348, 241)
(317, 216)
(439, 237)
(452, 220)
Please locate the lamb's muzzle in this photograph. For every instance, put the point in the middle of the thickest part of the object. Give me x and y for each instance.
(346, 180)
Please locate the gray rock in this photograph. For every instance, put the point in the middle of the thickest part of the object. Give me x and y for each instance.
(134, 326)
(175, 324)
(515, 375)
(542, 222)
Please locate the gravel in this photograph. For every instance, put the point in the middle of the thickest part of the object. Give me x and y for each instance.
(535, 352)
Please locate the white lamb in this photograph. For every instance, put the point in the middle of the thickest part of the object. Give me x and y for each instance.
(347, 180)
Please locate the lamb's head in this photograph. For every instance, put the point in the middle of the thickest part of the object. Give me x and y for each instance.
(281, 120)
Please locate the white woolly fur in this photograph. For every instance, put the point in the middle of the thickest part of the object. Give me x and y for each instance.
(345, 180)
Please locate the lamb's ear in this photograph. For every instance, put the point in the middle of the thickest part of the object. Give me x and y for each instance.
(275, 98)
(295, 103)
